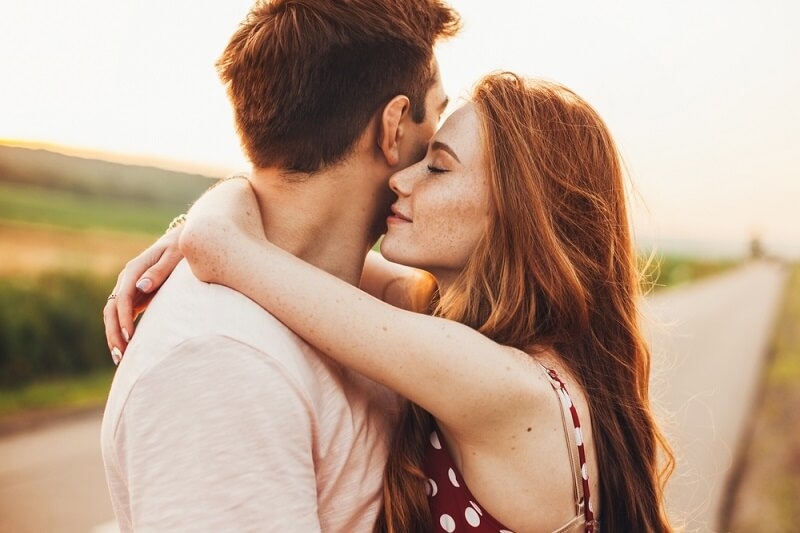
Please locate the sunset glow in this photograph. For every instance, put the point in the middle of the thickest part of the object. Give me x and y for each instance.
(702, 96)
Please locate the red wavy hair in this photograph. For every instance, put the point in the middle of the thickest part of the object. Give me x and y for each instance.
(557, 271)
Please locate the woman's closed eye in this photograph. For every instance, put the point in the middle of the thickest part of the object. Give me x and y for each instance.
(435, 170)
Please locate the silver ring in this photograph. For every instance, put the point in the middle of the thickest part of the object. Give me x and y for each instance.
(111, 296)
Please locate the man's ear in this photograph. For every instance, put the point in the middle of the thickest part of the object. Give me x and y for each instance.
(391, 130)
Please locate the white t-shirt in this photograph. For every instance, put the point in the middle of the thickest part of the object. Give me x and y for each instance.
(221, 419)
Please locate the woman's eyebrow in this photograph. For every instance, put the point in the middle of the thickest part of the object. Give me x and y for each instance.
(439, 145)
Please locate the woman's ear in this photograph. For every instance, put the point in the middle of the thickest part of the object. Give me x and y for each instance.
(391, 128)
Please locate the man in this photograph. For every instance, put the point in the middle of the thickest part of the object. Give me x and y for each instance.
(220, 418)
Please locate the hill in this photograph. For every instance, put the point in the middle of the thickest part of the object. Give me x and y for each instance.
(98, 179)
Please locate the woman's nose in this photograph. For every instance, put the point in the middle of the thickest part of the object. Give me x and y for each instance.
(396, 184)
(401, 182)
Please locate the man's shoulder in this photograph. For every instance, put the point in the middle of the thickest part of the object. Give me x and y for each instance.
(212, 328)
(195, 306)
(207, 369)
(218, 362)
(186, 308)
(210, 362)
(210, 423)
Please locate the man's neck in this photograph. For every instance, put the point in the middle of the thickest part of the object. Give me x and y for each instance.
(329, 219)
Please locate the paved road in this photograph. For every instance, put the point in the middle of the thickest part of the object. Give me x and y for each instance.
(709, 342)
(52, 481)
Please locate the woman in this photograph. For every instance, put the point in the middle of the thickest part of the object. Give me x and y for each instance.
(518, 211)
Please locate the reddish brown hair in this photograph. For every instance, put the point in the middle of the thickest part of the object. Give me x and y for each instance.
(556, 271)
(306, 76)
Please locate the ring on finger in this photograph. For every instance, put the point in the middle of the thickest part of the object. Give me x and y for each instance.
(111, 296)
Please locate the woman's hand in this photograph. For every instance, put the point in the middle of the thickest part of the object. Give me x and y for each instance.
(219, 227)
(136, 285)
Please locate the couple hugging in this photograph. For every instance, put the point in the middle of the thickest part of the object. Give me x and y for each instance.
(484, 372)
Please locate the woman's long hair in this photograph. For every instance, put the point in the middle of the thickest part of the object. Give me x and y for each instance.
(556, 270)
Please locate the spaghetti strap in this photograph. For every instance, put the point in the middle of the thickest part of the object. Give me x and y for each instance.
(454, 508)
(574, 437)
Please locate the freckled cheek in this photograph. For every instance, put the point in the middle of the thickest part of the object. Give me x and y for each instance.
(454, 225)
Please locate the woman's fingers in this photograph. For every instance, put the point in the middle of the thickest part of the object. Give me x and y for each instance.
(151, 279)
(136, 285)
(116, 343)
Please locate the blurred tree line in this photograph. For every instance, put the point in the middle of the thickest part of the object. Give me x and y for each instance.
(51, 322)
(51, 307)
(51, 325)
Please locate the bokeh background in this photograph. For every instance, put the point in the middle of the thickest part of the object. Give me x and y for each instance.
(112, 120)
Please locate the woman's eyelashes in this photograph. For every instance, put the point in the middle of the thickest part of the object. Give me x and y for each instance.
(435, 170)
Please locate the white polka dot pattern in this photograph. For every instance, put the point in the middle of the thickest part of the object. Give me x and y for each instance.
(567, 401)
(452, 475)
(475, 506)
(447, 523)
(435, 441)
(471, 515)
(453, 505)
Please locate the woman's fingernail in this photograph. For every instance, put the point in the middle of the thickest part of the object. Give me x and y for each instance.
(125, 335)
(144, 284)
(116, 355)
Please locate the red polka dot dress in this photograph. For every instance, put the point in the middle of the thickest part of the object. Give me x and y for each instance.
(455, 509)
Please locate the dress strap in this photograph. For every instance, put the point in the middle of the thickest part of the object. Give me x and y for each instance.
(575, 446)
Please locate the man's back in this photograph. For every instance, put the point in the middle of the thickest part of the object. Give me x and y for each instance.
(220, 418)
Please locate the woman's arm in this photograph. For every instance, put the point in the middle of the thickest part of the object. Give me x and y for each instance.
(457, 374)
(142, 276)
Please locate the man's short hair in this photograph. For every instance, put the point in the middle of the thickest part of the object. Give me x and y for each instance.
(306, 76)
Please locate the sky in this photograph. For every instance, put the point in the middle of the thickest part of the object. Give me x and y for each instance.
(703, 96)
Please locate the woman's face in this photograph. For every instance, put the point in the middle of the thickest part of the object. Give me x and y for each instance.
(442, 206)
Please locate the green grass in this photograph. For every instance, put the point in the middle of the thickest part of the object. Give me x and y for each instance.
(785, 368)
(670, 270)
(98, 178)
(84, 391)
(23, 203)
(769, 489)
(57, 329)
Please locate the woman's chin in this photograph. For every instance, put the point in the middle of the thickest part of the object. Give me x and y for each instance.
(391, 252)
(387, 251)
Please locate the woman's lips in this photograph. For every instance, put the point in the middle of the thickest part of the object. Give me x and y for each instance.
(392, 219)
(397, 216)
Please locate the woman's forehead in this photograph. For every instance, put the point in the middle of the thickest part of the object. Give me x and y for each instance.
(462, 121)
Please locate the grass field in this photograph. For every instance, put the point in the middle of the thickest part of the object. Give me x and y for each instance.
(46, 230)
(22, 203)
(670, 270)
(31, 248)
(74, 392)
(769, 487)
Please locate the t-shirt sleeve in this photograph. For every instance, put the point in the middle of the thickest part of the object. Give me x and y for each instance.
(218, 437)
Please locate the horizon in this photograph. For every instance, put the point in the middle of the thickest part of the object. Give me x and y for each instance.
(700, 98)
(122, 158)
(666, 245)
